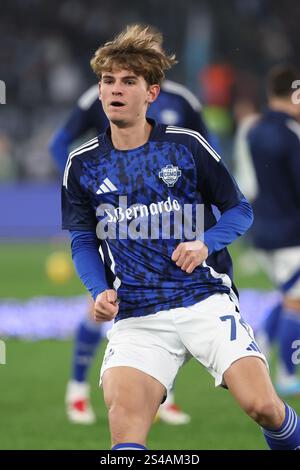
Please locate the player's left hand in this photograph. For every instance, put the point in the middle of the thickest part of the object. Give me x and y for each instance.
(189, 255)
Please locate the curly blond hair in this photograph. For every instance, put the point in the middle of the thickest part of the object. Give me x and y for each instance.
(137, 48)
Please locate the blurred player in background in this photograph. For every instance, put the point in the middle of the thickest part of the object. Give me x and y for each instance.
(246, 115)
(175, 105)
(170, 298)
(275, 149)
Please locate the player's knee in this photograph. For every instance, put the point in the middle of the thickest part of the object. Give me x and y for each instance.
(120, 413)
(124, 423)
(266, 412)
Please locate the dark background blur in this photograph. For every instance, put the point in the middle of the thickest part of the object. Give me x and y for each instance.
(45, 48)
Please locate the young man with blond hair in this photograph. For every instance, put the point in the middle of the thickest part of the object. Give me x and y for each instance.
(147, 189)
(176, 106)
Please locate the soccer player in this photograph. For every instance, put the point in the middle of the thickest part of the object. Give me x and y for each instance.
(143, 188)
(175, 105)
(275, 150)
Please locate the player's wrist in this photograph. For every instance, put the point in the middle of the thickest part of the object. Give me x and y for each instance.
(209, 245)
(98, 291)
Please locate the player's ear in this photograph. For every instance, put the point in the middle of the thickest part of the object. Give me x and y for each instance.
(99, 89)
(153, 92)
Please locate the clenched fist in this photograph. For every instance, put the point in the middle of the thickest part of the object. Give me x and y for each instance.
(189, 255)
(106, 305)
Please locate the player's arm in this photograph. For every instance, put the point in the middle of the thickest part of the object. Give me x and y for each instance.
(78, 217)
(90, 269)
(75, 126)
(219, 189)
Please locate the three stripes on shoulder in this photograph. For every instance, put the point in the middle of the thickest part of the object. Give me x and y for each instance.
(197, 136)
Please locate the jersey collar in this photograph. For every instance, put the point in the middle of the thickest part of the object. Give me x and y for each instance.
(156, 129)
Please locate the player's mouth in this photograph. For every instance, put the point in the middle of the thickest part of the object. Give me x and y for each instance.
(117, 104)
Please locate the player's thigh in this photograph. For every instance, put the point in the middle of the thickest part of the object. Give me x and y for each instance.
(216, 335)
(132, 391)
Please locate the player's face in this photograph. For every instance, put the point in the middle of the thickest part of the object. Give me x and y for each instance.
(125, 96)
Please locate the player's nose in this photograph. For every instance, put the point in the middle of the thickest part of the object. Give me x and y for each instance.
(117, 89)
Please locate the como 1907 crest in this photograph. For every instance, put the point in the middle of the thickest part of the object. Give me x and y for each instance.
(170, 174)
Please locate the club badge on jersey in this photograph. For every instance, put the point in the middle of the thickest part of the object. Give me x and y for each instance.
(170, 174)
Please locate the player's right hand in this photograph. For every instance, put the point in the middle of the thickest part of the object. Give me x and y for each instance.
(106, 305)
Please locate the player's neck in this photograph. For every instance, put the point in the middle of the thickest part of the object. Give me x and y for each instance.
(128, 138)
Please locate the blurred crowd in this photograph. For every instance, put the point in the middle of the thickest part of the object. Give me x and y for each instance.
(45, 49)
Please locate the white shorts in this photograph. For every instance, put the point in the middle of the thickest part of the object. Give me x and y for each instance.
(282, 266)
(211, 331)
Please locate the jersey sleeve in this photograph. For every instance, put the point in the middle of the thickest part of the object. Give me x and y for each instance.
(218, 188)
(77, 210)
(87, 261)
(232, 224)
(214, 181)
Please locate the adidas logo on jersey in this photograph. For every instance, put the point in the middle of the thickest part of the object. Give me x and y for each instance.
(106, 187)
